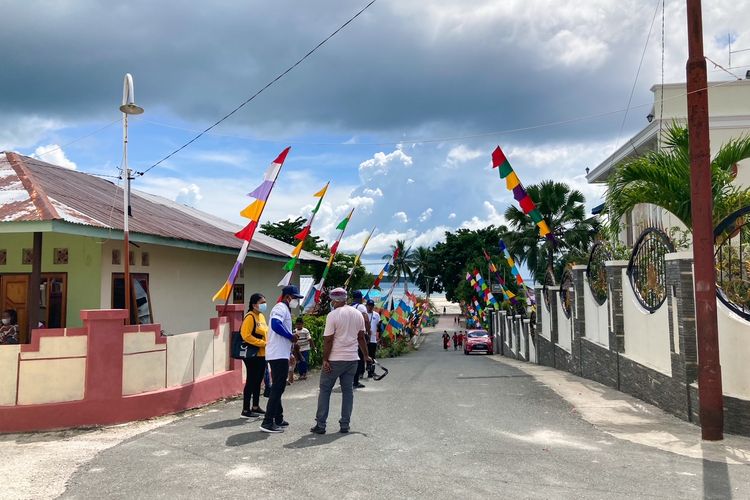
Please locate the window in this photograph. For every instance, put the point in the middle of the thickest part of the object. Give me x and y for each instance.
(238, 294)
(140, 297)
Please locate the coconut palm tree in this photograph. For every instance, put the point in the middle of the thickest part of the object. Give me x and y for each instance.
(663, 178)
(402, 265)
(420, 258)
(565, 213)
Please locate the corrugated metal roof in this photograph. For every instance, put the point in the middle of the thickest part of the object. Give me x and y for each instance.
(33, 190)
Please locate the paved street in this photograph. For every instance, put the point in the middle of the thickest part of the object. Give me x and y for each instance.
(441, 425)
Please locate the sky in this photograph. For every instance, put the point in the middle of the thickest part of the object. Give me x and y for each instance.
(399, 111)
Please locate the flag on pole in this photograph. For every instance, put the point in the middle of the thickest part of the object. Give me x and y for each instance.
(513, 183)
(316, 291)
(516, 273)
(302, 237)
(252, 212)
(358, 257)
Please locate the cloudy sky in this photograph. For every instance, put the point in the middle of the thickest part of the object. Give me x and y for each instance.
(400, 111)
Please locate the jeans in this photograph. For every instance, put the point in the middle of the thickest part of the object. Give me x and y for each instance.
(255, 368)
(343, 371)
(302, 366)
(372, 349)
(279, 372)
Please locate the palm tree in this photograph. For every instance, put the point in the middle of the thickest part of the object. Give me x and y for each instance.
(565, 213)
(420, 258)
(663, 178)
(401, 267)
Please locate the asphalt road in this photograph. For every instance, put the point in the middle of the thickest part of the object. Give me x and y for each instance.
(441, 425)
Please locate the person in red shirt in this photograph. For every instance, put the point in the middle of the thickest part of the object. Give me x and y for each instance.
(461, 339)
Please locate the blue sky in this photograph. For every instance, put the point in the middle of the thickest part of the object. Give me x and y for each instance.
(367, 112)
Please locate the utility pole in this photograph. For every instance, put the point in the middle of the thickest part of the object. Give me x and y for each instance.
(709, 368)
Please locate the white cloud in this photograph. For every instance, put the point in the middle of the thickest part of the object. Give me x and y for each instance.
(573, 49)
(52, 153)
(410, 181)
(401, 217)
(189, 195)
(492, 217)
(462, 154)
(381, 163)
(424, 216)
(373, 192)
(452, 216)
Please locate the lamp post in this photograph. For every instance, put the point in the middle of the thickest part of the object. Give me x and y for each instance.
(709, 370)
(128, 107)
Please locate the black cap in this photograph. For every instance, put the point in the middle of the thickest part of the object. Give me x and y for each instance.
(370, 302)
(357, 295)
(291, 290)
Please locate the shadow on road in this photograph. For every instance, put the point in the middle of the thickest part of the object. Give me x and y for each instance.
(246, 438)
(235, 422)
(716, 482)
(318, 440)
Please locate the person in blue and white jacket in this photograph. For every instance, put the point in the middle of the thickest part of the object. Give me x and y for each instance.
(278, 348)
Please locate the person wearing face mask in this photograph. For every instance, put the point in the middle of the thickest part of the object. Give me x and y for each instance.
(254, 331)
(9, 327)
(278, 347)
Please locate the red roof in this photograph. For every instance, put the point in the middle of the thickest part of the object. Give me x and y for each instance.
(33, 190)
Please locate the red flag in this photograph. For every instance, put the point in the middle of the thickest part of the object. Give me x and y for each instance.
(498, 157)
(334, 248)
(248, 231)
(303, 234)
(395, 254)
(527, 204)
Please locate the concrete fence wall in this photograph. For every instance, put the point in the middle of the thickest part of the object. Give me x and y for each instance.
(107, 372)
(650, 355)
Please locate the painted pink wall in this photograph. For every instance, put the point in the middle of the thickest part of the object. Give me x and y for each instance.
(103, 402)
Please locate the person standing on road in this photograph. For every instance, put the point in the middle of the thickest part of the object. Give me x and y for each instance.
(254, 331)
(372, 342)
(359, 306)
(446, 340)
(344, 334)
(461, 339)
(455, 341)
(304, 347)
(278, 349)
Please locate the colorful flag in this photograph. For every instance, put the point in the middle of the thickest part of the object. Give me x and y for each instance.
(516, 273)
(316, 290)
(513, 183)
(252, 212)
(358, 257)
(302, 237)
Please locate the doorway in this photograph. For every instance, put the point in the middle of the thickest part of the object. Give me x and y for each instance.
(53, 294)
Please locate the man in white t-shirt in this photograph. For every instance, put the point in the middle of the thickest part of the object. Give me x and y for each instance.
(357, 303)
(344, 335)
(372, 342)
(278, 347)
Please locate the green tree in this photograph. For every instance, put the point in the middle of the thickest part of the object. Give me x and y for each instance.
(565, 213)
(286, 230)
(339, 272)
(663, 178)
(423, 270)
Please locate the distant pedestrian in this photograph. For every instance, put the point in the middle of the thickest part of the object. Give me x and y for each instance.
(9, 328)
(359, 306)
(304, 347)
(372, 341)
(254, 331)
(278, 349)
(446, 340)
(455, 341)
(344, 335)
(443, 309)
(461, 339)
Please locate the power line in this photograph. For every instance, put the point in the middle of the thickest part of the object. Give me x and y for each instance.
(76, 140)
(247, 101)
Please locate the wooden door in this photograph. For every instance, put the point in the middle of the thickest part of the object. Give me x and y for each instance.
(13, 294)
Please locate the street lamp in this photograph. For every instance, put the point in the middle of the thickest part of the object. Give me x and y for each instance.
(128, 107)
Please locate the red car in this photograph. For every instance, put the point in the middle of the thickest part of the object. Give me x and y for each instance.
(478, 341)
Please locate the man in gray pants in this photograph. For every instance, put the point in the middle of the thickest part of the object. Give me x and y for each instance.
(344, 335)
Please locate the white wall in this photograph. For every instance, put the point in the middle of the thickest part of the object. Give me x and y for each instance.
(734, 353)
(597, 317)
(183, 281)
(646, 335)
(546, 317)
(564, 324)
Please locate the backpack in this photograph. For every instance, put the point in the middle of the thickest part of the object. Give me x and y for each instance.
(241, 349)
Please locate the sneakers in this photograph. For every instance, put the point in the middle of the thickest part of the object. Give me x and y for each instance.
(359, 385)
(282, 424)
(318, 430)
(344, 430)
(271, 428)
(247, 414)
(257, 411)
